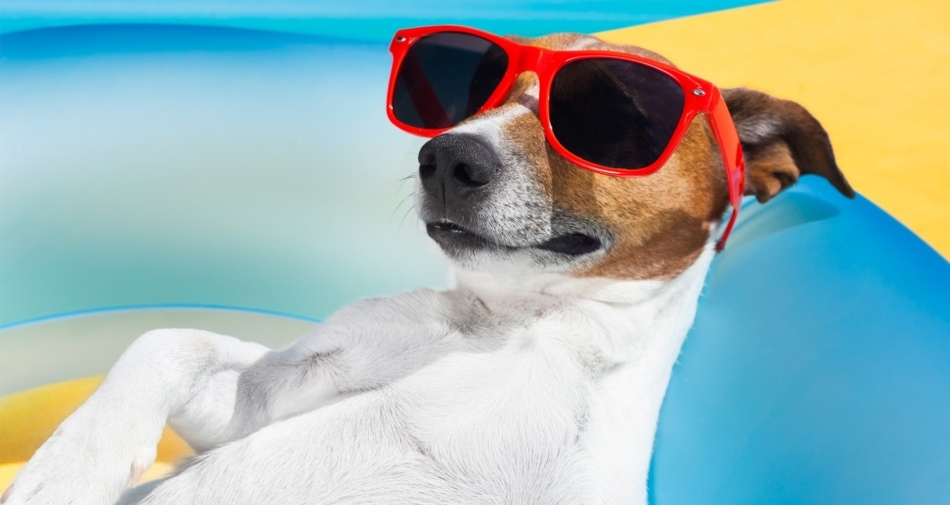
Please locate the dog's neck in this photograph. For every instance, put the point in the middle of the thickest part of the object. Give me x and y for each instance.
(639, 317)
(509, 290)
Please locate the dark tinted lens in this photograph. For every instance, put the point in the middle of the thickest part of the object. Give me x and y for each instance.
(615, 113)
(446, 78)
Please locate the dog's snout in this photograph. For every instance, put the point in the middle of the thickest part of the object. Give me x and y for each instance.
(455, 167)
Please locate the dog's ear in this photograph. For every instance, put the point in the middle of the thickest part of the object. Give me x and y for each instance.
(781, 141)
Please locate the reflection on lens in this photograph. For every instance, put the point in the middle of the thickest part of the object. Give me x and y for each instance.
(615, 113)
(445, 78)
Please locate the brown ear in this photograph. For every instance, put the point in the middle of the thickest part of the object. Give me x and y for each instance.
(781, 141)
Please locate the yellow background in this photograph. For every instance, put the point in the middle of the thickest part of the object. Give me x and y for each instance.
(875, 73)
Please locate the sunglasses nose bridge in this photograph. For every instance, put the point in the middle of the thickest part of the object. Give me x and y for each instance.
(530, 59)
(525, 62)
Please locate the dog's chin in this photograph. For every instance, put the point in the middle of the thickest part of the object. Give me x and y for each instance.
(473, 250)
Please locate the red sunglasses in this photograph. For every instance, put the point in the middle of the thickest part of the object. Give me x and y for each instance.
(609, 112)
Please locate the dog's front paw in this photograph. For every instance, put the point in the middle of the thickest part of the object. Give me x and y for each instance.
(82, 463)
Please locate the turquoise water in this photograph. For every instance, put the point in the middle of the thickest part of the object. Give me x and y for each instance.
(265, 176)
(374, 20)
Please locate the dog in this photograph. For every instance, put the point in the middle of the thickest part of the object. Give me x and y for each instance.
(537, 379)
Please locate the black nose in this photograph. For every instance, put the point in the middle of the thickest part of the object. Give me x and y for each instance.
(454, 168)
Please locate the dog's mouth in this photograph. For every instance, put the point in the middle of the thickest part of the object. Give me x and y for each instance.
(451, 236)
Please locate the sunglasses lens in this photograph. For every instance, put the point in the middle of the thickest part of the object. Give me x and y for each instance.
(445, 78)
(614, 113)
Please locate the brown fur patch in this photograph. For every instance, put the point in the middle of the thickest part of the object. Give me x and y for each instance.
(773, 171)
(559, 41)
(781, 140)
(567, 41)
(661, 222)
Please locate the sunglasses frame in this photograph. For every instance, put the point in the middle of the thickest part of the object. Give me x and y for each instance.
(700, 97)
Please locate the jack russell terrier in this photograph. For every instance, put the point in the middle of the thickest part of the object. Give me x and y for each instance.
(578, 188)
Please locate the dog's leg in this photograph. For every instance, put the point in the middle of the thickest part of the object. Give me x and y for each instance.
(213, 389)
(111, 439)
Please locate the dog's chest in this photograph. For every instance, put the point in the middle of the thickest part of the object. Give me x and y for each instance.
(528, 393)
(549, 405)
(518, 416)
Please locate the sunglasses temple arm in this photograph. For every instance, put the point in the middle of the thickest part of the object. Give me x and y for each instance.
(731, 149)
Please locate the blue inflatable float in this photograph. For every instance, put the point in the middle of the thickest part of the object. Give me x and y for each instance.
(818, 369)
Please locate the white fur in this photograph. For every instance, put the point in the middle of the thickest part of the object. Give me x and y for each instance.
(544, 389)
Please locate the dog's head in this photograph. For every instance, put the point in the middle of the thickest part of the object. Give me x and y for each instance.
(496, 196)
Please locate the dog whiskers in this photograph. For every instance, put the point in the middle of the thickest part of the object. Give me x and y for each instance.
(406, 214)
(400, 204)
(402, 180)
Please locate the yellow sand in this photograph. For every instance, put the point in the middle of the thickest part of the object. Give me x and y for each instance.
(875, 73)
